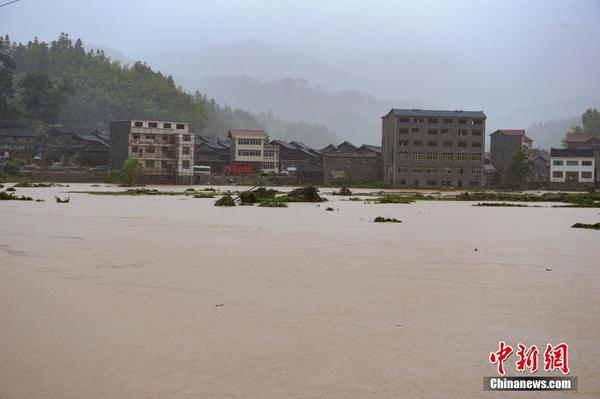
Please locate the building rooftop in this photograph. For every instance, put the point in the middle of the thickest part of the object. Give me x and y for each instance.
(17, 131)
(283, 144)
(329, 148)
(248, 133)
(367, 147)
(438, 113)
(571, 153)
(580, 139)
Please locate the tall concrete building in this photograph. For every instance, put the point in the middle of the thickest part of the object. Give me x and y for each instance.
(433, 148)
(503, 144)
(164, 149)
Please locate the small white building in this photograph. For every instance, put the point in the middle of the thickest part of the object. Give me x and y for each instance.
(571, 165)
(251, 148)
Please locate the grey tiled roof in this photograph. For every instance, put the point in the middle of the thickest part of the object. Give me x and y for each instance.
(571, 153)
(438, 113)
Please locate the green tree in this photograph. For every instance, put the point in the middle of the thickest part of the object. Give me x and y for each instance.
(42, 98)
(7, 90)
(131, 173)
(519, 169)
(590, 122)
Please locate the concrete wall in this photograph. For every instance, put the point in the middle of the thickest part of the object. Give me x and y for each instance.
(354, 167)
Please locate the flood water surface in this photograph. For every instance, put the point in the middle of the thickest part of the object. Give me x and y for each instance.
(172, 297)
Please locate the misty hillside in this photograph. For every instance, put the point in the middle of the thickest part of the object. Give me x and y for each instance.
(551, 133)
(350, 114)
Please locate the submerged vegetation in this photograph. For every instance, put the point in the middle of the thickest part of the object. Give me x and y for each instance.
(4, 196)
(500, 204)
(225, 200)
(595, 226)
(381, 219)
(62, 200)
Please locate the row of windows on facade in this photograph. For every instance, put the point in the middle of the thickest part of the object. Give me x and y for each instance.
(571, 162)
(447, 121)
(166, 150)
(432, 143)
(179, 126)
(446, 183)
(165, 137)
(584, 175)
(459, 132)
(185, 164)
(249, 142)
(433, 156)
(433, 171)
(249, 153)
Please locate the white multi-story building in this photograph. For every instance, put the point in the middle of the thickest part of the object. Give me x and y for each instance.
(164, 149)
(250, 148)
(571, 165)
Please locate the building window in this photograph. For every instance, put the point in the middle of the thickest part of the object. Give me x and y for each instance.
(166, 125)
(447, 156)
(461, 143)
(477, 121)
(138, 124)
(432, 171)
(572, 163)
(150, 137)
(149, 164)
(432, 156)
(473, 183)
(432, 131)
(150, 150)
(461, 157)
(418, 156)
(586, 175)
(165, 137)
(185, 164)
(403, 155)
(447, 144)
(444, 130)
(418, 143)
(414, 129)
(185, 150)
(475, 171)
(462, 121)
(249, 142)
(186, 137)
(152, 124)
(461, 171)
(417, 170)
(476, 144)
(475, 157)
(403, 143)
(403, 169)
(134, 149)
(136, 136)
(403, 130)
(403, 120)
(557, 163)
(446, 183)
(180, 126)
(431, 183)
(432, 143)
(476, 133)
(557, 174)
(586, 163)
(447, 171)
(418, 120)
(249, 153)
(461, 133)
(448, 120)
(433, 120)
(164, 164)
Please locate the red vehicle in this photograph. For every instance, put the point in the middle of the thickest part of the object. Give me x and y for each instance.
(238, 169)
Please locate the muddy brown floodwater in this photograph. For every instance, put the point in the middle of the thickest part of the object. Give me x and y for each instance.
(171, 297)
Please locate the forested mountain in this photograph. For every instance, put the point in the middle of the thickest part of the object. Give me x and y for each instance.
(549, 134)
(60, 83)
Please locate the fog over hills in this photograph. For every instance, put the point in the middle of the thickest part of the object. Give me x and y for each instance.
(344, 64)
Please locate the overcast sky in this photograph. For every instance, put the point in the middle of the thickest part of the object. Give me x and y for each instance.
(523, 52)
